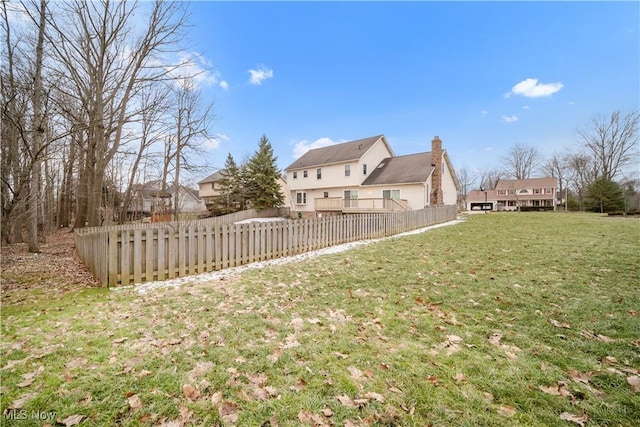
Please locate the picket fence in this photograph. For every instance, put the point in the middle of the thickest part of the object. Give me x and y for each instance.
(122, 255)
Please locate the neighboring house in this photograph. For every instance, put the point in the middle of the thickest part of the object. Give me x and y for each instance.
(511, 194)
(148, 199)
(209, 188)
(366, 176)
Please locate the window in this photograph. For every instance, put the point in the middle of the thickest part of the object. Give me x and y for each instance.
(501, 192)
(301, 198)
(536, 191)
(549, 191)
(350, 199)
(391, 194)
(319, 173)
(213, 185)
(295, 175)
(304, 174)
(364, 169)
(512, 192)
(326, 194)
(347, 170)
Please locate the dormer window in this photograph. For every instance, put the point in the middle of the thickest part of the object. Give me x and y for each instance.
(347, 170)
(295, 175)
(304, 174)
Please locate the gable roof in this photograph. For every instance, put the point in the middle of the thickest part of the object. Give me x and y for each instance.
(401, 170)
(216, 176)
(506, 184)
(337, 153)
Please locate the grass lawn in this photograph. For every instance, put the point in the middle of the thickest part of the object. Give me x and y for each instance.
(506, 319)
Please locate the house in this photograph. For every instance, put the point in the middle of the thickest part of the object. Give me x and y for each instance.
(514, 194)
(209, 188)
(366, 176)
(149, 199)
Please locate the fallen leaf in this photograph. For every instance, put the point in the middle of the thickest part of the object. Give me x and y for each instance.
(395, 390)
(356, 373)
(190, 392)
(460, 377)
(374, 396)
(578, 419)
(556, 389)
(72, 420)
(300, 384)
(275, 355)
(134, 402)
(346, 401)
(507, 411)
(20, 402)
(228, 411)
(216, 398)
(595, 336)
(609, 359)
(200, 369)
(120, 340)
(634, 382)
(557, 324)
(495, 339)
(327, 412)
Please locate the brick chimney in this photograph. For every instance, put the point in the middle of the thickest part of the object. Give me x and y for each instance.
(436, 176)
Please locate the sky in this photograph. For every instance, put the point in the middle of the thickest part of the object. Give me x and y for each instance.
(483, 76)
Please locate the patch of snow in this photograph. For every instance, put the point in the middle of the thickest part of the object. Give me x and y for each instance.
(273, 219)
(234, 272)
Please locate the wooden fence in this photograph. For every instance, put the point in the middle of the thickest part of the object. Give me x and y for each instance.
(121, 255)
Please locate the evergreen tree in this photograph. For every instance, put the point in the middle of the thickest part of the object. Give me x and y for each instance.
(230, 199)
(262, 176)
(605, 195)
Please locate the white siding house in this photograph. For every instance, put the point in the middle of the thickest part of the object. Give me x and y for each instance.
(365, 176)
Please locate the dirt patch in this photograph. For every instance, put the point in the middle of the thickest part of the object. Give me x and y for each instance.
(57, 269)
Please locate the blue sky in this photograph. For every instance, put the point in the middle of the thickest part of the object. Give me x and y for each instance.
(481, 75)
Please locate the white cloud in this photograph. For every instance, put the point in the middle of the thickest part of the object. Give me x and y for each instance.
(261, 74)
(303, 146)
(509, 119)
(525, 107)
(195, 69)
(531, 88)
(215, 141)
(484, 113)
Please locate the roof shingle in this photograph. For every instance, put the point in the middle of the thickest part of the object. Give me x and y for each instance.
(401, 170)
(337, 153)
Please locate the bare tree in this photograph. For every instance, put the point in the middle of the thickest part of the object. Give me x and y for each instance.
(557, 167)
(152, 130)
(192, 128)
(489, 178)
(521, 161)
(107, 66)
(612, 142)
(582, 175)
